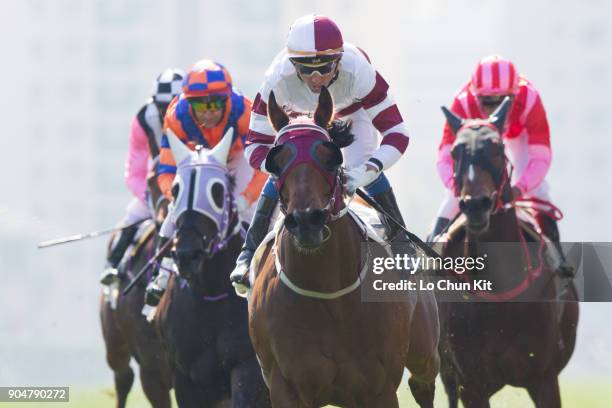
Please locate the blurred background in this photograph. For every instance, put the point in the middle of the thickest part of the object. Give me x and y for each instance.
(75, 72)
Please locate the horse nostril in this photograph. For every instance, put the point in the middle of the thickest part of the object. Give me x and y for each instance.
(290, 222)
(317, 217)
(474, 204)
(486, 203)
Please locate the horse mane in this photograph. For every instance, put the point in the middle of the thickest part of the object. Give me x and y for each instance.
(340, 132)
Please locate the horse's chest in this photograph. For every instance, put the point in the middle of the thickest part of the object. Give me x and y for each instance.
(206, 338)
(338, 375)
(346, 361)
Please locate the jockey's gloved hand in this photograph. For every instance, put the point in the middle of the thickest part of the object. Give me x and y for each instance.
(360, 176)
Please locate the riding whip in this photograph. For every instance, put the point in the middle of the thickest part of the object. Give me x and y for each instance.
(79, 237)
(426, 248)
(144, 269)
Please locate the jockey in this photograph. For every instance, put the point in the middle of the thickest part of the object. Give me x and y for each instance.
(143, 150)
(317, 56)
(208, 106)
(526, 137)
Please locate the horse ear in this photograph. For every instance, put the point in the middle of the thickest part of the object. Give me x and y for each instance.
(455, 122)
(277, 116)
(498, 118)
(325, 109)
(221, 151)
(179, 150)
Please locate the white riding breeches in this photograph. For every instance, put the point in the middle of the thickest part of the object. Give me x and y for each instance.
(135, 211)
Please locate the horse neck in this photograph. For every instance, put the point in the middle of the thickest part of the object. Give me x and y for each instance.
(506, 262)
(213, 277)
(333, 266)
(503, 227)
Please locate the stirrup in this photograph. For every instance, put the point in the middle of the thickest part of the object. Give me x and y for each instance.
(156, 288)
(109, 276)
(153, 294)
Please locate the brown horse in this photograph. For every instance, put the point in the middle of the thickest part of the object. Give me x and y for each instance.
(317, 342)
(523, 330)
(127, 334)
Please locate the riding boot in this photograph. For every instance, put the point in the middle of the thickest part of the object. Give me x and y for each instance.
(120, 244)
(256, 233)
(159, 276)
(550, 229)
(396, 236)
(387, 201)
(440, 225)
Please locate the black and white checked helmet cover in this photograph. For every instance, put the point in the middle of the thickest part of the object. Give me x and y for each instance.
(167, 85)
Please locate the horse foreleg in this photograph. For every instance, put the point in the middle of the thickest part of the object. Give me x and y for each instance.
(155, 386)
(423, 359)
(187, 392)
(449, 379)
(281, 393)
(545, 393)
(388, 399)
(117, 355)
(568, 325)
(473, 397)
(248, 387)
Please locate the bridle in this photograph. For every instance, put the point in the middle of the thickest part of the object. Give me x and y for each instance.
(227, 222)
(302, 140)
(475, 156)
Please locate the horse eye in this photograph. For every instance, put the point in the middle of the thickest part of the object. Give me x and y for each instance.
(329, 155)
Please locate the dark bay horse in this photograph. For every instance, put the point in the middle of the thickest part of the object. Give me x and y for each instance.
(317, 342)
(203, 322)
(127, 334)
(523, 331)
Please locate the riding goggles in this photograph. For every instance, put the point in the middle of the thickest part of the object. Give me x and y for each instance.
(199, 105)
(491, 101)
(309, 69)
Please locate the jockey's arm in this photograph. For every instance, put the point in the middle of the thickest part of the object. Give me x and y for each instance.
(386, 118)
(249, 181)
(260, 137)
(136, 162)
(538, 150)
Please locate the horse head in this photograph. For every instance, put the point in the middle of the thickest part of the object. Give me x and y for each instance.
(204, 209)
(305, 163)
(480, 165)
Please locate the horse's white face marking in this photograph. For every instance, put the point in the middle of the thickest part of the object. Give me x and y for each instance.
(471, 173)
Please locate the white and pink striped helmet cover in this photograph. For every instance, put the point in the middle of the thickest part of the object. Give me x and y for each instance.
(494, 75)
